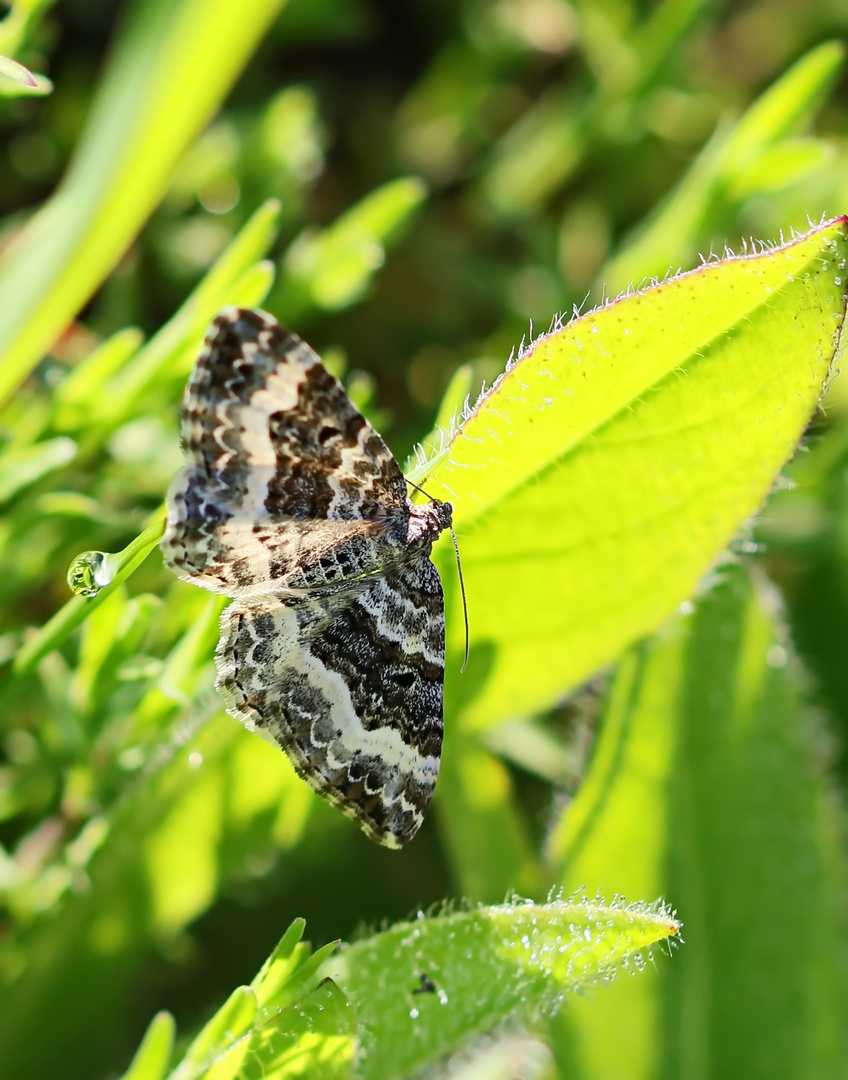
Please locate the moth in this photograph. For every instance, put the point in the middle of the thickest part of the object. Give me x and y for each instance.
(292, 504)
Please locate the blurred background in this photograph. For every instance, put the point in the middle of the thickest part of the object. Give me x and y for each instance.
(451, 176)
(549, 136)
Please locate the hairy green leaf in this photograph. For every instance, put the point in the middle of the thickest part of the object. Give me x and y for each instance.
(607, 469)
(424, 989)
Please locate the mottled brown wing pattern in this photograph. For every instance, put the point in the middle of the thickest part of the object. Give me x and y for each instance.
(291, 503)
(350, 685)
(271, 437)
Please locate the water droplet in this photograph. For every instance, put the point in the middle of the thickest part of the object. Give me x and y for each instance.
(90, 572)
(414, 1013)
(443, 997)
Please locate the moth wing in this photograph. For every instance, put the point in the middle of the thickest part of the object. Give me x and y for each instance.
(276, 452)
(350, 685)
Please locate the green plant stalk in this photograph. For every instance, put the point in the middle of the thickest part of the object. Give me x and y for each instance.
(120, 566)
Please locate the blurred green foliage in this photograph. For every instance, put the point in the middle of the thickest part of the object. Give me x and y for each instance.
(411, 187)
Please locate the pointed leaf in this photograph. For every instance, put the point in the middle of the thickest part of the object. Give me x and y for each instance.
(607, 469)
(235, 1017)
(422, 989)
(11, 69)
(151, 1058)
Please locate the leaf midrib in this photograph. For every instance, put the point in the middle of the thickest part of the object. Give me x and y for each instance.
(467, 514)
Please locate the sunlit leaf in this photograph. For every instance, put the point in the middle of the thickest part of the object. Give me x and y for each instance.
(607, 469)
(152, 1057)
(422, 989)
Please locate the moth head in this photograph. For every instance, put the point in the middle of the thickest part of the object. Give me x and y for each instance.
(426, 522)
(442, 513)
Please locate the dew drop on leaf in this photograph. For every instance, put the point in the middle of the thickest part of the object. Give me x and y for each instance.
(89, 573)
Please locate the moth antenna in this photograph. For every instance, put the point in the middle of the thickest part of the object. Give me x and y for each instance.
(459, 571)
(417, 488)
(464, 604)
